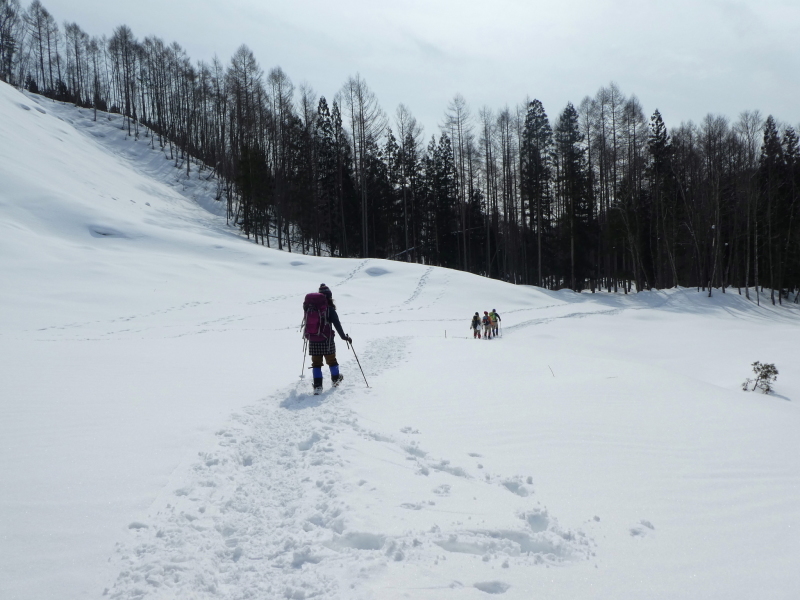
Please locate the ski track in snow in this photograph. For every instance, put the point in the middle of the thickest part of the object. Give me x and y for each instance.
(574, 315)
(264, 513)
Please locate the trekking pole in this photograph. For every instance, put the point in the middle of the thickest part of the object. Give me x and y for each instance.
(350, 345)
(303, 371)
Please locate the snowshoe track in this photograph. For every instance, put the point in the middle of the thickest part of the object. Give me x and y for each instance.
(263, 513)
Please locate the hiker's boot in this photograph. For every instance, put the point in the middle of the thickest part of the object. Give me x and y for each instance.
(336, 379)
(317, 385)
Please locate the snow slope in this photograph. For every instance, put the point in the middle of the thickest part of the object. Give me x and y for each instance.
(157, 441)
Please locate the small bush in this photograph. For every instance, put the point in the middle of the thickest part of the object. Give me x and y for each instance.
(766, 374)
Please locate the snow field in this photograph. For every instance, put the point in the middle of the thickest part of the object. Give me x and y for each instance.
(302, 500)
(157, 441)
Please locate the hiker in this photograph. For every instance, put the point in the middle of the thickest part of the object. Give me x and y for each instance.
(320, 319)
(495, 318)
(476, 326)
(487, 326)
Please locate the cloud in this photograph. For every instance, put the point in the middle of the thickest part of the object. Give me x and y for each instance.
(686, 57)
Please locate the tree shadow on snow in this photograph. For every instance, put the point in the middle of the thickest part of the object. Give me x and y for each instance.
(688, 301)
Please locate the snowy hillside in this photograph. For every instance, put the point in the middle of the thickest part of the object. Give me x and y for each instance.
(157, 441)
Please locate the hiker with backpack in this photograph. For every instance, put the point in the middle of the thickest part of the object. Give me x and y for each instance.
(319, 323)
(495, 318)
(476, 326)
(487, 326)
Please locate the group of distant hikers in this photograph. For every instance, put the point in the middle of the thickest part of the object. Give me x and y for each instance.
(320, 319)
(490, 322)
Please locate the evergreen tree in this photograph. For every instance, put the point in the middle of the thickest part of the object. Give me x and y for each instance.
(411, 180)
(771, 176)
(573, 190)
(537, 140)
(663, 210)
(788, 241)
(445, 190)
(9, 44)
(326, 177)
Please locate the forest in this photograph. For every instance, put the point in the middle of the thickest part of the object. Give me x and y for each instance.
(597, 197)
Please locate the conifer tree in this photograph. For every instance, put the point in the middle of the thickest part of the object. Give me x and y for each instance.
(537, 140)
(573, 191)
(771, 168)
(9, 42)
(658, 144)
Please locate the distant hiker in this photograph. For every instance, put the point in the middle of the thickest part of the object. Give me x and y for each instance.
(495, 318)
(320, 319)
(476, 326)
(487, 326)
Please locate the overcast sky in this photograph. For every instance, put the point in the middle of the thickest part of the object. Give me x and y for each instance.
(687, 58)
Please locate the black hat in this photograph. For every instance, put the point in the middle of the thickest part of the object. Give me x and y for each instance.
(324, 289)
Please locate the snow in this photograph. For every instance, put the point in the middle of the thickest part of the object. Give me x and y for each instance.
(157, 441)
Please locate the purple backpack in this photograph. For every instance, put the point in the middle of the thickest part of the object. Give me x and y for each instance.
(317, 328)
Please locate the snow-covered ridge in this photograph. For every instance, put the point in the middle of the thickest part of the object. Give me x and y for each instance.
(158, 442)
(140, 150)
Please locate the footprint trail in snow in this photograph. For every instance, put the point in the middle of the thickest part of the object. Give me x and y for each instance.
(298, 499)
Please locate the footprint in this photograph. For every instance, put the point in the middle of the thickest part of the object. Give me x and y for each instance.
(638, 531)
(358, 541)
(509, 542)
(307, 444)
(492, 587)
(444, 465)
(537, 520)
(414, 451)
(442, 490)
(515, 487)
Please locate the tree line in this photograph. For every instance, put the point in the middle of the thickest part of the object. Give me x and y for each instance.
(600, 197)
